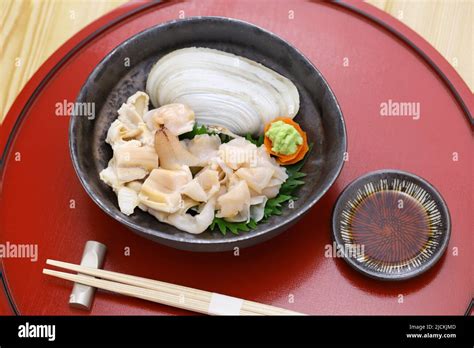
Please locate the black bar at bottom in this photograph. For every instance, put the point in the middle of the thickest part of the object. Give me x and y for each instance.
(136, 330)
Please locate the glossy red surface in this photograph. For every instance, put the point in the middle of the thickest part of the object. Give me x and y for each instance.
(365, 66)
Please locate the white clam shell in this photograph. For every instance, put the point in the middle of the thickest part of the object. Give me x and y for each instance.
(222, 88)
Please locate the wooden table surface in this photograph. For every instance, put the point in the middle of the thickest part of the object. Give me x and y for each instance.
(31, 30)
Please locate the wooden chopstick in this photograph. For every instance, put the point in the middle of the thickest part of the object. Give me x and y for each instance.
(253, 308)
(183, 291)
(156, 291)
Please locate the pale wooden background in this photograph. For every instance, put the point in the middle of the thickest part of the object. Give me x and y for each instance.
(31, 30)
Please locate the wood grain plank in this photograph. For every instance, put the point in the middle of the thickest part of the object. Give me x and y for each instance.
(448, 25)
(32, 30)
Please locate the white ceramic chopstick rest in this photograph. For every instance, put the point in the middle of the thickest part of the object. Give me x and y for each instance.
(93, 256)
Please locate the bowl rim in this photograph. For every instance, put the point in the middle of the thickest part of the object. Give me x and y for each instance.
(235, 240)
(336, 237)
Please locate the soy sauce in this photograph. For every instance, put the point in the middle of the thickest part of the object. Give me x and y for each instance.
(392, 226)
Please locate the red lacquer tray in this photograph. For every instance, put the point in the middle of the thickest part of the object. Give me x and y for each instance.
(367, 57)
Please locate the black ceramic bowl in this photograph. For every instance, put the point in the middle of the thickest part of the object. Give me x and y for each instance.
(112, 82)
(391, 225)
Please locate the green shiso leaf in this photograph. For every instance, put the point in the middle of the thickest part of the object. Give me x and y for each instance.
(256, 141)
(197, 130)
(233, 227)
